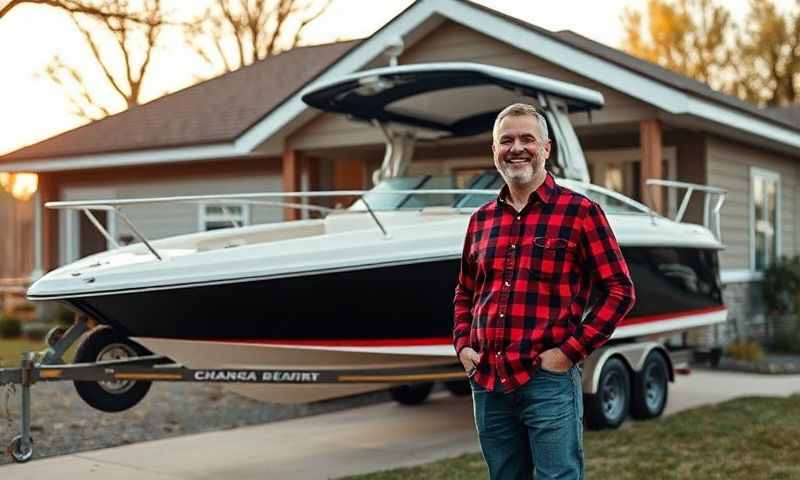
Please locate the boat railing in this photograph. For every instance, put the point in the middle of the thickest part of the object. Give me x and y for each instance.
(115, 206)
(712, 202)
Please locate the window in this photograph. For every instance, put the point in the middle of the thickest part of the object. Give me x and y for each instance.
(764, 218)
(216, 216)
(620, 170)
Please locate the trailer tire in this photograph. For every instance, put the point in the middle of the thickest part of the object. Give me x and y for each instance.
(608, 408)
(19, 454)
(411, 394)
(459, 388)
(650, 387)
(105, 343)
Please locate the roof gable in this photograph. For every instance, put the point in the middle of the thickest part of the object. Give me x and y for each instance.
(641, 80)
(217, 110)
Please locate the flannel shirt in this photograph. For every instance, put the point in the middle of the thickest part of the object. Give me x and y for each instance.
(527, 279)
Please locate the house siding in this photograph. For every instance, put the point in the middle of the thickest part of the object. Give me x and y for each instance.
(16, 250)
(160, 220)
(728, 167)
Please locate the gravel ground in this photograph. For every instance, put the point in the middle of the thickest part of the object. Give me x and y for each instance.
(62, 423)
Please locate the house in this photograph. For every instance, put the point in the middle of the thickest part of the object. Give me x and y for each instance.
(249, 131)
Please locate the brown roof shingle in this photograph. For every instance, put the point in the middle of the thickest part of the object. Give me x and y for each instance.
(217, 110)
(790, 113)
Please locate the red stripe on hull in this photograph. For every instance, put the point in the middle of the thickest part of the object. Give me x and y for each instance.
(669, 316)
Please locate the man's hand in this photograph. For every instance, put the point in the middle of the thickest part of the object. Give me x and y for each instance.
(554, 360)
(469, 359)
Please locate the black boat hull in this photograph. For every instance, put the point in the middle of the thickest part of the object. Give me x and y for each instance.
(395, 303)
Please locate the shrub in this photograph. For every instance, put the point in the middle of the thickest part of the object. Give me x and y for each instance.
(10, 326)
(781, 293)
(781, 286)
(745, 350)
(786, 344)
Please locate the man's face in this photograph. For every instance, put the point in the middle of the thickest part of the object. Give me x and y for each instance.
(518, 152)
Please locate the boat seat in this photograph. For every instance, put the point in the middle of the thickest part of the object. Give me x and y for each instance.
(261, 234)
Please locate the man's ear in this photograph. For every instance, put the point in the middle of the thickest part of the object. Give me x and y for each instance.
(546, 149)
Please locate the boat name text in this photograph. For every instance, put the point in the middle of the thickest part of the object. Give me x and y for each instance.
(255, 376)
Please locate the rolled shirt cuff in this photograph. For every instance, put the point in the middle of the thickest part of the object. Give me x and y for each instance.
(573, 349)
(460, 343)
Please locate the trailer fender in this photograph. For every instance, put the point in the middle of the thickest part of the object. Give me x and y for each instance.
(633, 355)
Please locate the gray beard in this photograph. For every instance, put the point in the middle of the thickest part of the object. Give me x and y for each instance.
(518, 177)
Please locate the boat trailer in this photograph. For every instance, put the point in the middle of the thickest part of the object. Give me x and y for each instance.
(47, 366)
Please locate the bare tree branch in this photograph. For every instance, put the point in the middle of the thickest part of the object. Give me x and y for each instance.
(94, 48)
(123, 62)
(75, 90)
(71, 6)
(304, 23)
(233, 34)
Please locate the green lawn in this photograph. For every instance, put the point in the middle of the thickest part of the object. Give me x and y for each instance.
(747, 438)
(11, 350)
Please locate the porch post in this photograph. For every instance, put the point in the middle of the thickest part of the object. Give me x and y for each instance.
(348, 174)
(38, 239)
(48, 192)
(650, 146)
(291, 180)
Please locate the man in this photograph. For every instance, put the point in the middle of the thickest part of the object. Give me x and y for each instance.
(531, 260)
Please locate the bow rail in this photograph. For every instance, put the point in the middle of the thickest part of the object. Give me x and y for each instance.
(115, 205)
(712, 202)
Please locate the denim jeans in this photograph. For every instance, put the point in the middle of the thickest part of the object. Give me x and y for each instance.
(538, 426)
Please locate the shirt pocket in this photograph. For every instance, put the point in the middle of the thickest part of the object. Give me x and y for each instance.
(550, 259)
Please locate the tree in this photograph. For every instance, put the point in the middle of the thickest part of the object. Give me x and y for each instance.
(690, 37)
(770, 49)
(235, 33)
(121, 41)
(758, 61)
(72, 6)
(122, 36)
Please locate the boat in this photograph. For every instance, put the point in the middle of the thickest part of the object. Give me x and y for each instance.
(372, 285)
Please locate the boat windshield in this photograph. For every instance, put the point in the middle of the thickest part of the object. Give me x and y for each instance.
(612, 202)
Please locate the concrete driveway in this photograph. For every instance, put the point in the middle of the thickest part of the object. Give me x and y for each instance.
(344, 443)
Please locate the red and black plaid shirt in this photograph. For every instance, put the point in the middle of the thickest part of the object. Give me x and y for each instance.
(526, 279)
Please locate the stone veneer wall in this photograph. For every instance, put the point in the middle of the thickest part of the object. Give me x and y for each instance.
(746, 318)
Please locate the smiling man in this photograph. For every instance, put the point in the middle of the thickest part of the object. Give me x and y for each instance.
(532, 259)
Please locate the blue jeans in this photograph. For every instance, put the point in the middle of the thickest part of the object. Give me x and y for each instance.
(538, 426)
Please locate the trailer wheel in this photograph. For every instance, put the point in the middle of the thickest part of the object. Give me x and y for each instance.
(459, 388)
(649, 393)
(609, 406)
(19, 454)
(103, 344)
(412, 394)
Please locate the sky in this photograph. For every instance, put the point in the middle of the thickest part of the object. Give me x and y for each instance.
(32, 108)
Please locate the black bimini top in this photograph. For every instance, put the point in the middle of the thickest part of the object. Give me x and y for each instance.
(460, 99)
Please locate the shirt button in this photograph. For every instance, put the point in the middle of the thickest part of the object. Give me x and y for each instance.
(499, 354)
(502, 380)
(512, 246)
(502, 315)
(508, 284)
(518, 217)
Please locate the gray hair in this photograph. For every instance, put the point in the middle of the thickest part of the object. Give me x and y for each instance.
(518, 110)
